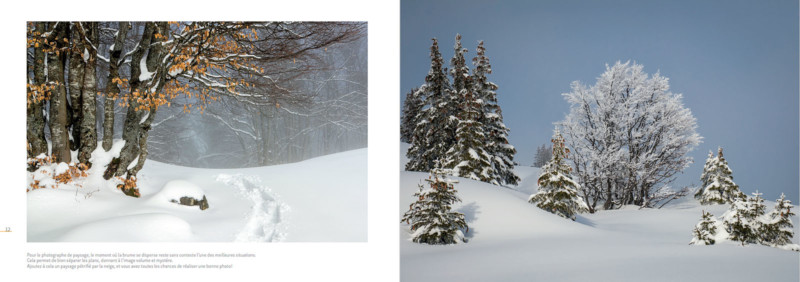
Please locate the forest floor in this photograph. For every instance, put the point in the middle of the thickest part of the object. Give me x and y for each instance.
(317, 200)
(513, 240)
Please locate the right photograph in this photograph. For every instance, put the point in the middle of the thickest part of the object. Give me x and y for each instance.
(609, 140)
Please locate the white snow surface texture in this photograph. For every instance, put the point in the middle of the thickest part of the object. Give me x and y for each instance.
(513, 240)
(318, 200)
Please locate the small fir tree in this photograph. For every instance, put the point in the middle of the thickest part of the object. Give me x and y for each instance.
(720, 188)
(432, 221)
(412, 106)
(777, 228)
(558, 193)
(738, 221)
(705, 230)
(756, 210)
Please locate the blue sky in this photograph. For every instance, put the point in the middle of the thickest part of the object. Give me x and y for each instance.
(735, 62)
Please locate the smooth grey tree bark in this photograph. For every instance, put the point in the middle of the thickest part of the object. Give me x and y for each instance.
(88, 107)
(76, 75)
(59, 125)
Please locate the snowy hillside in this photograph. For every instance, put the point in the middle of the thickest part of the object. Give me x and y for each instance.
(322, 199)
(512, 240)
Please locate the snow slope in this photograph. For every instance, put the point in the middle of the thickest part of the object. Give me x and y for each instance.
(322, 200)
(512, 240)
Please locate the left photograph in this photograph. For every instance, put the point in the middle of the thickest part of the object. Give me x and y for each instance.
(196, 131)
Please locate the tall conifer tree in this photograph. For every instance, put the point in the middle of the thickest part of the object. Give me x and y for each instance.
(434, 133)
(492, 119)
(468, 158)
(412, 106)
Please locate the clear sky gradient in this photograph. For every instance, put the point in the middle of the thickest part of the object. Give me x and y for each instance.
(735, 62)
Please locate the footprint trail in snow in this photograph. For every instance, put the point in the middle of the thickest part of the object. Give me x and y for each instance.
(266, 219)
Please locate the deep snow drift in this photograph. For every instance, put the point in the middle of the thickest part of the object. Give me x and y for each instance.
(513, 240)
(322, 199)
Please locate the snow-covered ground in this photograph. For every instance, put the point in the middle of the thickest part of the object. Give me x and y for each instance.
(512, 240)
(318, 200)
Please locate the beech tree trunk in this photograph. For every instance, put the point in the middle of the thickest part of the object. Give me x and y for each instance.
(130, 130)
(88, 106)
(59, 126)
(35, 122)
(75, 90)
(137, 121)
(112, 89)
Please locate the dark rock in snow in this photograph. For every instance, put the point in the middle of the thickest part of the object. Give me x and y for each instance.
(189, 201)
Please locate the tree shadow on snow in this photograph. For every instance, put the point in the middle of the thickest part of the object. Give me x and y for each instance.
(470, 212)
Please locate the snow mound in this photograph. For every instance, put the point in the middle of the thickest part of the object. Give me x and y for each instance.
(138, 228)
(266, 217)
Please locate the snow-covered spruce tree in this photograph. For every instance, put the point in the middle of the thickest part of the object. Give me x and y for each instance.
(730, 189)
(432, 221)
(741, 220)
(717, 178)
(777, 228)
(558, 193)
(434, 132)
(630, 135)
(469, 158)
(492, 119)
(459, 71)
(704, 177)
(756, 212)
(412, 106)
(705, 230)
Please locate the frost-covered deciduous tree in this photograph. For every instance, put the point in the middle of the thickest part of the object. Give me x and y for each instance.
(558, 193)
(705, 230)
(434, 133)
(630, 135)
(412, 105)
(432, 221)
(492, 118)
(717, 178)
